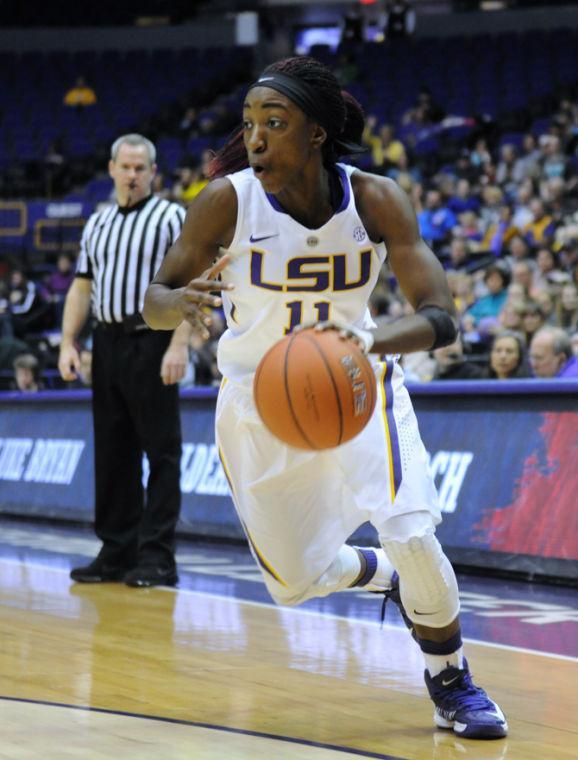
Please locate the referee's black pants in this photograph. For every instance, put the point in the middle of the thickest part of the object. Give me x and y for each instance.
(134, 412)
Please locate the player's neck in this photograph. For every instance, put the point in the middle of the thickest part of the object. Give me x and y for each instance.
(310, 201)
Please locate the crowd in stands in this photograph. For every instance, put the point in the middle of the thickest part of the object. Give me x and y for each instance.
(500, 214)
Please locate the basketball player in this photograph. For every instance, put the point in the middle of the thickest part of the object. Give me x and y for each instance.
(306, 237)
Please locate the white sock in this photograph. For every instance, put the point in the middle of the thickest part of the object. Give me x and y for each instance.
(436, 663)
(381, 579)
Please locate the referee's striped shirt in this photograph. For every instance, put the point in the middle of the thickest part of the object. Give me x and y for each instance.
(121, 250)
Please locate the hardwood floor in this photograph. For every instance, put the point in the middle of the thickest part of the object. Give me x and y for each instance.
(177, 674)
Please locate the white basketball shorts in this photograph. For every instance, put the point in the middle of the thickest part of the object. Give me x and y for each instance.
(299, 507)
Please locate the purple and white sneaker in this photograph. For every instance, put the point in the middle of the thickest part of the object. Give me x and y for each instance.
(464, 707)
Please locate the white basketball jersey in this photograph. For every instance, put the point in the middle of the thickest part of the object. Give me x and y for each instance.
(286, 274)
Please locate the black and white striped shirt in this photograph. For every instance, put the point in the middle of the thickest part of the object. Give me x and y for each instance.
(121, 250)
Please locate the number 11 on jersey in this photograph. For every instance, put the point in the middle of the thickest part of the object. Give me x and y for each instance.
(296, 313)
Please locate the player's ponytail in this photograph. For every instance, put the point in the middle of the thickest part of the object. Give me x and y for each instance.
(232, 157)
(354, 119)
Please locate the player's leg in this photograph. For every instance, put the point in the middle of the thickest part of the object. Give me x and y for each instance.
(284, 500)
(427, 591)
(429, 600)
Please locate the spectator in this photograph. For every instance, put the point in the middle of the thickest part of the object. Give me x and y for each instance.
(574, 341)
(499, 234)
(492, 204)
(527, 166)
(522, 215)
(480, 155)
(451, 363)
(463, 199)
(386, 151)
(553, 161)
(469, 227)
(506, 168)
(188, 125)
(192, 178)
(81, 95)
(568, 307)
(56, 285)
(508, 356)
(6, 327)
(10, 349)
(523, 275)
(517, 249)
(551, 354)
(541, 229)
(510, 318)
(29, 309)
(547, 270)
(533, 319)
(400, 20)
(56, 172)
(517, 295)
(27, 373)
(353, 25)
(545, 299)
(459, 257)
(436, 221)
(496, 279)
(562, 204)
(464, 168)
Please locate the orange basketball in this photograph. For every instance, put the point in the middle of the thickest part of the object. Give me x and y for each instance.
(314, 390)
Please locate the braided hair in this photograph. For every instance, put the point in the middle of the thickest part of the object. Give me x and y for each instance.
(343, 111)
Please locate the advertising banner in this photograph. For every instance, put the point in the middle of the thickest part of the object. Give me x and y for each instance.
(505, 469)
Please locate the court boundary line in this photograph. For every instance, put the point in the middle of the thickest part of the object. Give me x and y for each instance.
(302, 611)
(209, 726)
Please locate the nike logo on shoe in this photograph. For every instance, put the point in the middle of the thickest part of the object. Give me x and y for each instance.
(256, 239)
(415, 612)
(447, 683)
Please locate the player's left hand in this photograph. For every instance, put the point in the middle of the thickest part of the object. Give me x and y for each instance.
(363, 338)
(174, 364)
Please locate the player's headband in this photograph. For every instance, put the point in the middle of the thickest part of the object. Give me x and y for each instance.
(308, 100)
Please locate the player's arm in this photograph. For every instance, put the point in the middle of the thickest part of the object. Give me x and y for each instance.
(184, 282)
(388, 215)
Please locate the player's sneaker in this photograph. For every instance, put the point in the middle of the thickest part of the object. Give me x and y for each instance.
(464, 707)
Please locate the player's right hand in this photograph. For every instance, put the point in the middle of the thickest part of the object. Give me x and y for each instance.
(197, 296)
(68, 362)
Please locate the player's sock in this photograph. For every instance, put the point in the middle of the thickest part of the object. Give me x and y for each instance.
(378, 570)
(439, 656)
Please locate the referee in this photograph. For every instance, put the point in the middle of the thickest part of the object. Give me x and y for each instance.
(135, 372)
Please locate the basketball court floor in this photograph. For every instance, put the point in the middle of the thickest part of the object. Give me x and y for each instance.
(213, 669)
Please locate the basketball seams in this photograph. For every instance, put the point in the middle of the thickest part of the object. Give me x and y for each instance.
(333, 383)
(288, 393)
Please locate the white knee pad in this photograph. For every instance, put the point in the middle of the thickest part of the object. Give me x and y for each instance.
(427, 582)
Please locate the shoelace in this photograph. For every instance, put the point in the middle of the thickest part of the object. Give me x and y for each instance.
(393, 594)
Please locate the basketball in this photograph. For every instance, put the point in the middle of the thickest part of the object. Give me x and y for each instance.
(314, 390)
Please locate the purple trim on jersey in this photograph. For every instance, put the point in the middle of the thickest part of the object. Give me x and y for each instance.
(344, 201)
(346, 188)
(275, 203)
(394, 439)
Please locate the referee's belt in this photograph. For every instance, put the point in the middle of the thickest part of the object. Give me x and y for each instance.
(130, 325)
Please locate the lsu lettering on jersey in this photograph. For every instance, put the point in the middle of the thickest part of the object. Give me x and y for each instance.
(286, 274)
